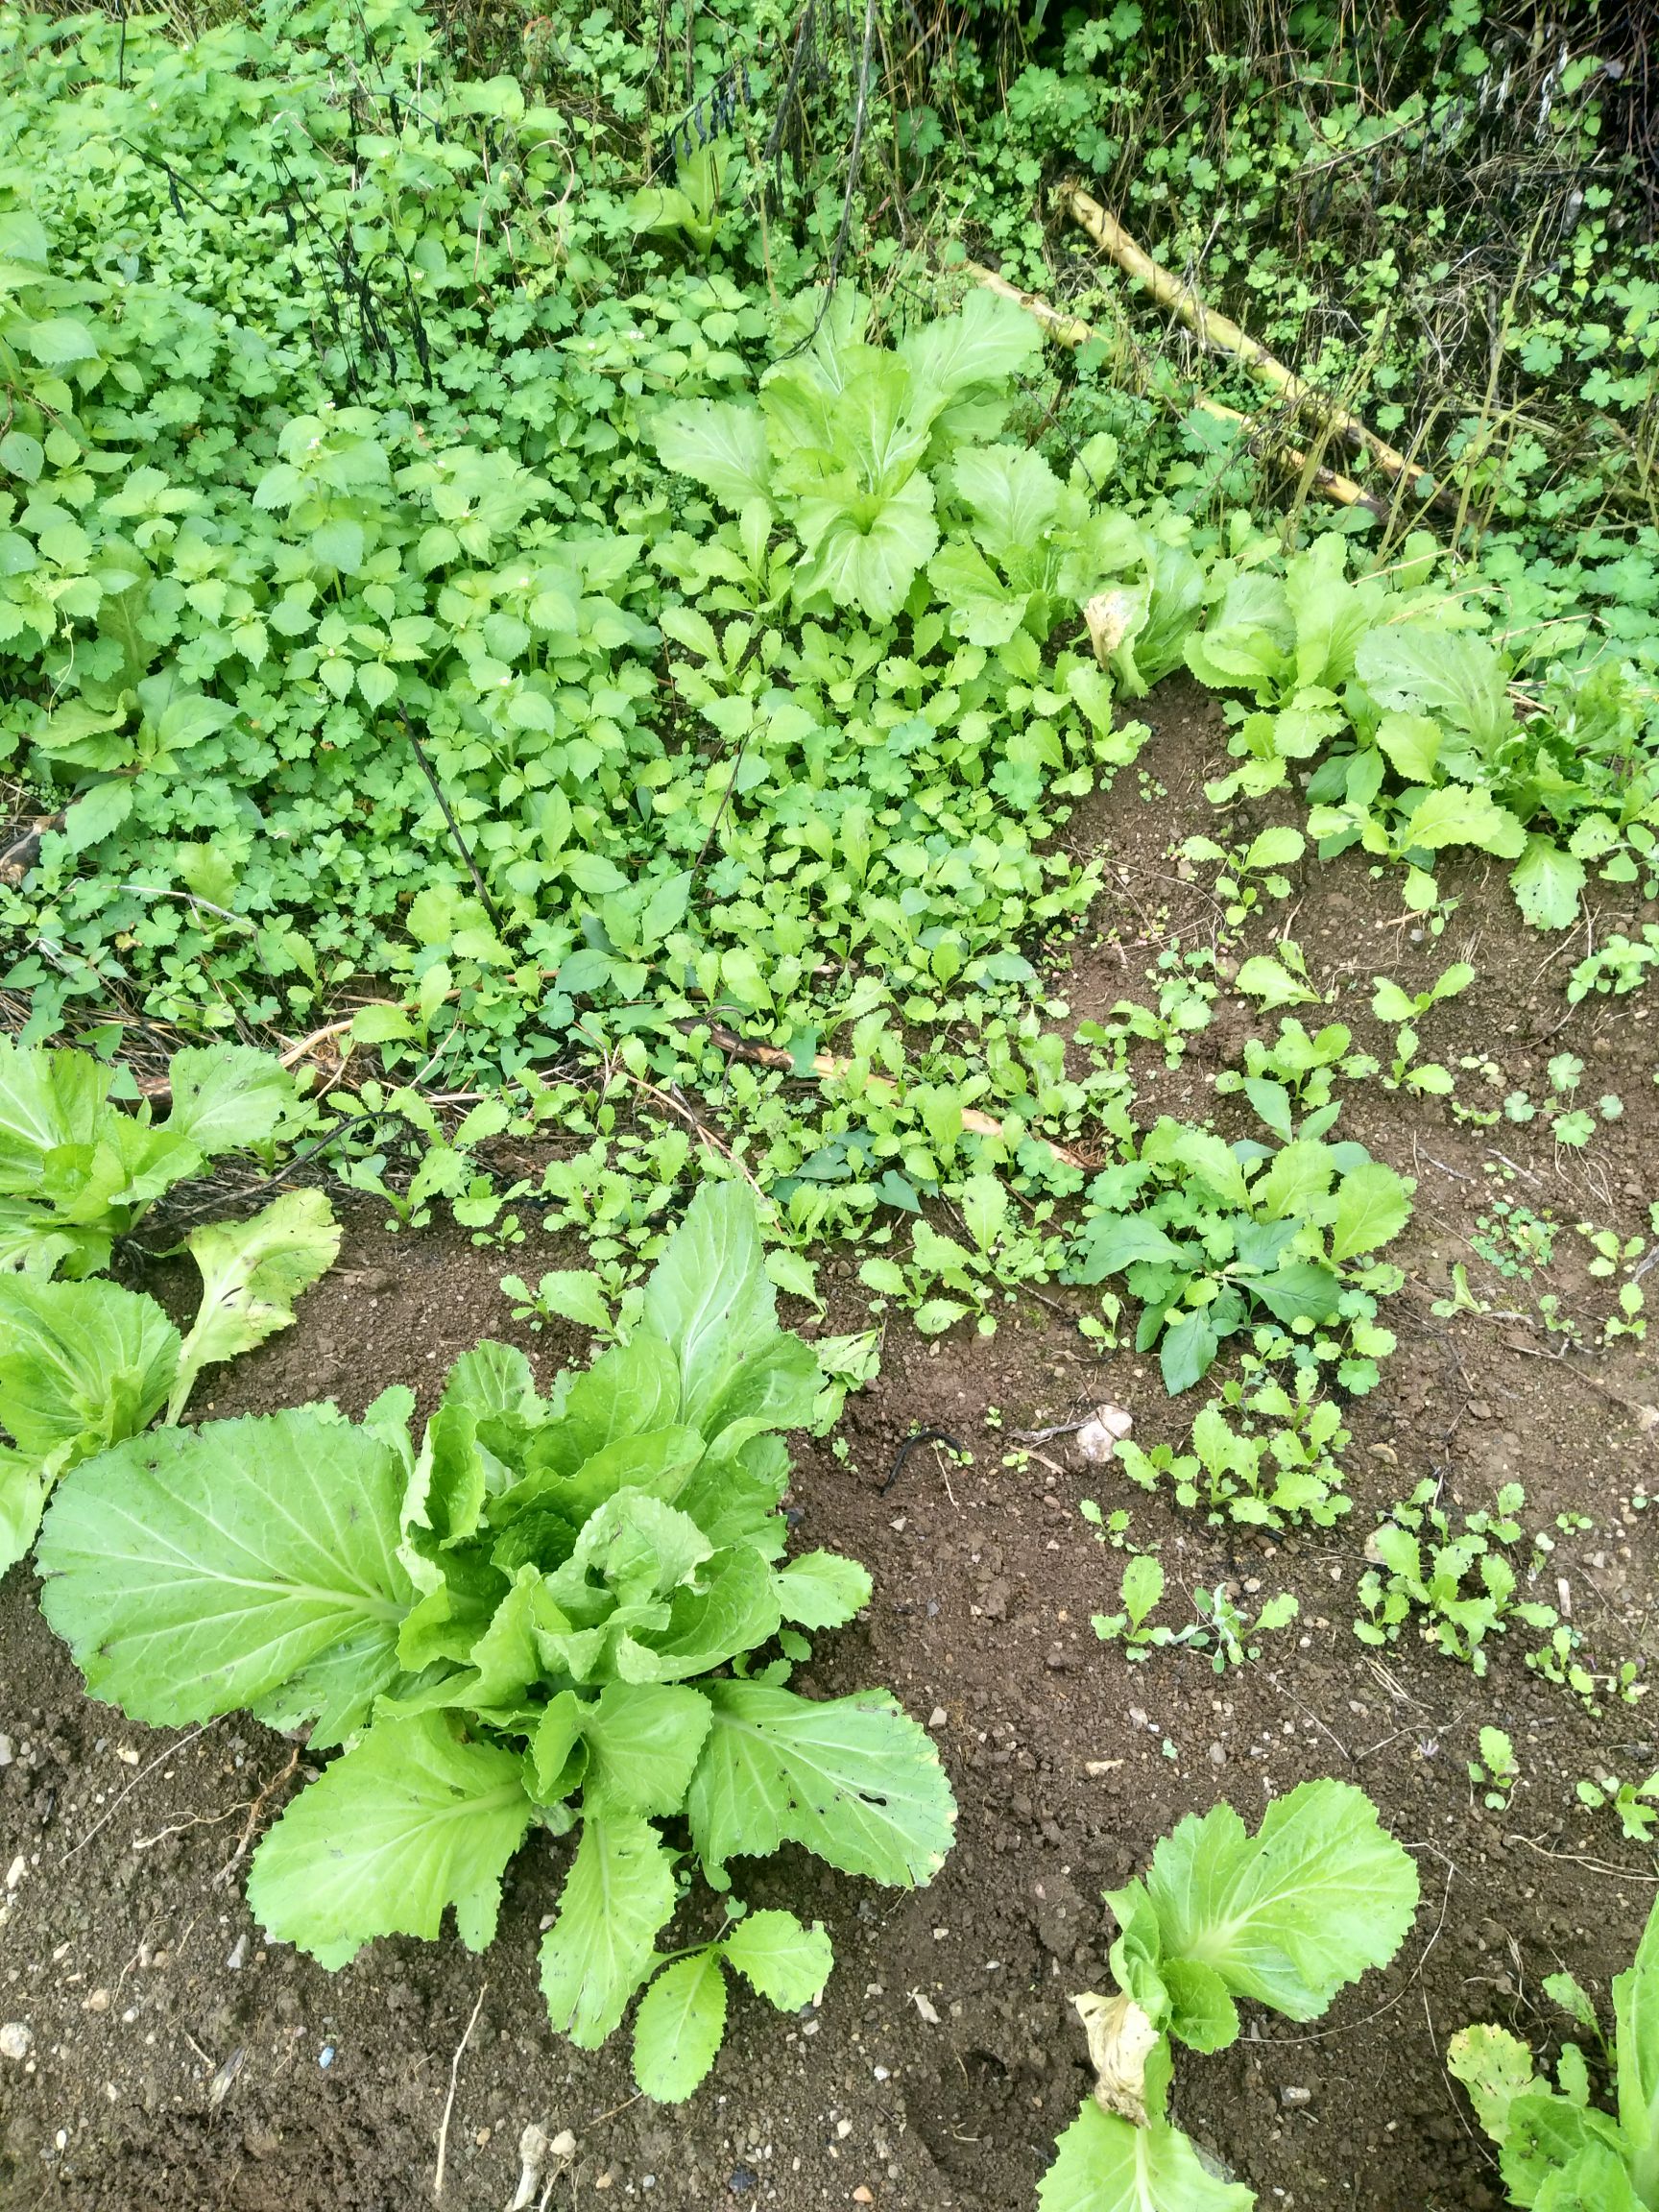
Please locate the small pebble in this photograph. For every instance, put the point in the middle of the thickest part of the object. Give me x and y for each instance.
(938, 1717)
(237, 1957)
(863, 2196)
(16, 2041)
(1295, 2096)
(7, 1754)
(325, 2056)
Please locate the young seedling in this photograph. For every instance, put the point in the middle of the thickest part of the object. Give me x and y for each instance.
(1496, 1770)
(1139, 1593)
(1636, 1803)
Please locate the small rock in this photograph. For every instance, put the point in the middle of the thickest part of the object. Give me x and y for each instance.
(98, 2002)
(938, 1717)
(1218, 1755)
(16, 2041)
(863, 2196)
(237, 1957)
(7, 1753)
(1478, 1409)
(1099, 1438)
(1293, 2097)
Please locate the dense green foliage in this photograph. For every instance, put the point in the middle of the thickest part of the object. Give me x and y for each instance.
(551, 1610)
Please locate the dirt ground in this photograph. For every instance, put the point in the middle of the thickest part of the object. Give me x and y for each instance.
(175, 2062)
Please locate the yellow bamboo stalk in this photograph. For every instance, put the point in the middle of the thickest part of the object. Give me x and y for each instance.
(1212, 328)
(1071, 330)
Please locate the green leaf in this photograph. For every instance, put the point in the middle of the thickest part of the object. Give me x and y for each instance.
(721, 442)
(194, 1572)
(84, 1364)
(822, 1590)
(1188, 1351)
(644, 1739)
(1288, 1915)
(1104, 2163)
(1414, 666)
(1372, 1206)
(679, 2028)
(22, 1502)
(710, 1297)
(1270, 981)
(619, 1891)
(226, 1097)
(853, 1779)
(1496, 2067)
(1546, 880)
(1458, 815)
(409, 1820)
(252, 1272)
(781, 1960)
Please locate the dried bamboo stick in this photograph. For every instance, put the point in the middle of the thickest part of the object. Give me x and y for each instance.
(1071, 330)
(1212, 328)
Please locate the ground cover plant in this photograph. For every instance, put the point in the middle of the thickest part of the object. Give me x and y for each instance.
(549, 574)
(548, 1612)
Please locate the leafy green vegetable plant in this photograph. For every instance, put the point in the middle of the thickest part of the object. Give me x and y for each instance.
(77, 1171)
(1556, 2150)
(1283, 1919)
(84, 1366)
(1211, 1237)
(548, 1613)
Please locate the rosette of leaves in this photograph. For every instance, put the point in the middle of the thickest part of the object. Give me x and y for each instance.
(543, 1615)
(1212, 1237)
(1283, 1919)
(86, 1365)
(842, 442)
(77, 1169)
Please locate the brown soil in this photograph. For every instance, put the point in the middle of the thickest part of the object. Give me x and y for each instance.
(177, 2063)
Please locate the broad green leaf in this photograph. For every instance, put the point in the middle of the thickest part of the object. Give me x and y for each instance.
(853, 1779)
(679, 2028)
(409, 1820)
(252, 1272)
(48, 1101)
(226, 1097)
(1103, 2163)
(822, 1590)
(630, 1390)
(1295, 1179)
(1636, 2017)
(1457, 815)
(731, 1606)
(1496, 2067)
(1287, 1916)
(193, 1571)
(778, 1389)
(720, 443)
(84, 1364)
(1188, 1351)
(492, 1380)
(869, 566)
(619, 1891)
(710, 1297)
(22, 1502)
(1270, 980)
(1412, 743)
(1012, 494)
(782, 1961)
(1417, 667)
(643, 1740)
(987, 341)
(1372, 1206)
(1547, 881)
